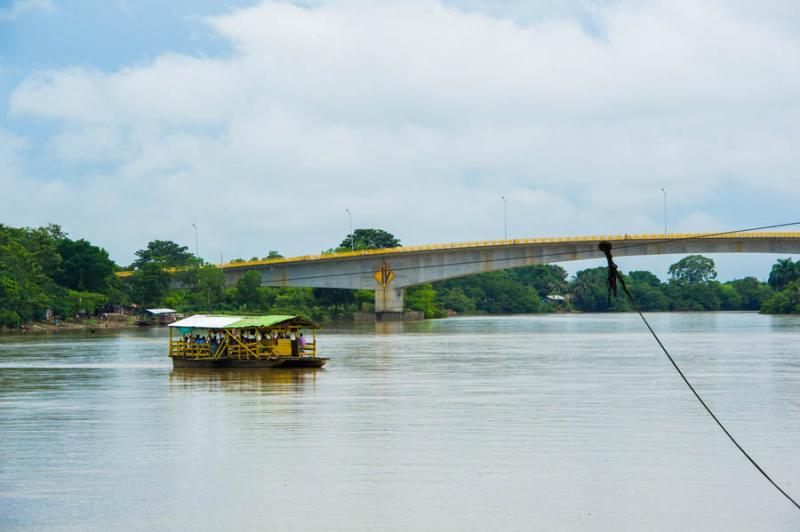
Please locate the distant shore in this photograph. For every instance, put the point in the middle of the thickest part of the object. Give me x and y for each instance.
(91, 325)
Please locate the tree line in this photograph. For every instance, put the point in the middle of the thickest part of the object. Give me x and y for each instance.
(44, 269)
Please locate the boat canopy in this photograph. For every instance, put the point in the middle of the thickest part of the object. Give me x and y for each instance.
(202, 321)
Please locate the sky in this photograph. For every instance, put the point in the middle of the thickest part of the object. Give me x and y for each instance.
(262, 123)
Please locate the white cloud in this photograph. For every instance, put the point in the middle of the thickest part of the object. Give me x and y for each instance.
(417, 117)
(21, 7)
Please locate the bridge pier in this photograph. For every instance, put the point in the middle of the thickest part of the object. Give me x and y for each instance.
(389, 304)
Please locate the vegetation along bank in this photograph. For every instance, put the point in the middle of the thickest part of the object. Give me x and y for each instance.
(46, 276)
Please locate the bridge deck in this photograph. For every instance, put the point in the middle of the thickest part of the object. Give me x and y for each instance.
(511, 242)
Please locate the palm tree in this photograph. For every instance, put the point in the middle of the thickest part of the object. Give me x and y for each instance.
(784, 272)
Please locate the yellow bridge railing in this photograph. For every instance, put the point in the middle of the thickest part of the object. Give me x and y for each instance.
(494, 243)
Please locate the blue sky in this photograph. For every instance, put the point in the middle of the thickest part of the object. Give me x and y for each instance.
(262, 122)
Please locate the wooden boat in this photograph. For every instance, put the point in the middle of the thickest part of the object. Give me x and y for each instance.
(244, 342)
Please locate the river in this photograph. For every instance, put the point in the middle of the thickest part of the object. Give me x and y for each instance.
(552, 422)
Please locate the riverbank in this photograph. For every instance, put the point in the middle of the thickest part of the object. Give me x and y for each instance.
(91, 325)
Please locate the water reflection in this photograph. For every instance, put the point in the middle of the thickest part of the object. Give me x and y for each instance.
(246, 380)
(389, 327)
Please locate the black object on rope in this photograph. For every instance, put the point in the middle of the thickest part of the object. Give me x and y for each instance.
(613, 276)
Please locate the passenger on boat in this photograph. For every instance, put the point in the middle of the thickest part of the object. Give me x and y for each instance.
(302, 342)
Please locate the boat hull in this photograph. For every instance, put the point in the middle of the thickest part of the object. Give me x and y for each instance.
(272, 362)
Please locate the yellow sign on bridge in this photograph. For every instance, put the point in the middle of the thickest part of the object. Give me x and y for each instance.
(384, 276)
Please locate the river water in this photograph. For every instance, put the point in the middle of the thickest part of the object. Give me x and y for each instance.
(556, 422)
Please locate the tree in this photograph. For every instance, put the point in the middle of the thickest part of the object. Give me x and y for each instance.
(503, 294)
(697, 296)
(208, 290)
(422, 298)
(455, 299)
(545, 278)
(149, 284)
(590, 292)
(783, 272)
(166, 254)
(645, 277)
(25, 291)
(247, 290)
(730, 299)
(273, 255)
(752, 292)
(787, 301)
(369, 239)
(83, 267)
(649, 297)
(334, 297)
(693, 269)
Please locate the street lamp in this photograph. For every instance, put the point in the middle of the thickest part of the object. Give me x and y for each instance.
(196, 254)
(350, 218)
(505, 218)
(665, 212)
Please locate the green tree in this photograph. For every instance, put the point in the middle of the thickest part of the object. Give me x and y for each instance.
(149, 285)
(752, 292)
(786, 301)
(693, 269)
(649, 297)
(293, 301)
(455, 299)
(501, 294)
(25, 291)
(645, 277)
(695, 297)
(41, 244)
(545, 278)
(337, 298)
(248, 292)
(208, 290)
(369, 239)
(166, 254)
(83, 267)
(273, 255)
(730, 299)
(422, 298)
(71, 302)
(784, 272)
(590, 292)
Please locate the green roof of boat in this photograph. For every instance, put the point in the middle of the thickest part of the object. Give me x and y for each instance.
(205, 321)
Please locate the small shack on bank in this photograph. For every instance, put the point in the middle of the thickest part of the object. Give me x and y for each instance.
(160, 316)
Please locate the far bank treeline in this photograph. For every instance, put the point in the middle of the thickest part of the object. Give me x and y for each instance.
(43, 269)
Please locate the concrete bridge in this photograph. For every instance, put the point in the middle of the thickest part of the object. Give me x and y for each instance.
(390, 271)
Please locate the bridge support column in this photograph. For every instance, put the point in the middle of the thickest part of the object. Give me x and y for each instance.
(389, 304)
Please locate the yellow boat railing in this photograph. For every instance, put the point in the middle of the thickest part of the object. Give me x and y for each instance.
(233, 347)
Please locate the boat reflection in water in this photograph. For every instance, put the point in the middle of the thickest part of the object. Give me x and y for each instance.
(248, 380)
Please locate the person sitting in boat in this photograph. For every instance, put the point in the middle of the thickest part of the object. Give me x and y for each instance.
(302, 342)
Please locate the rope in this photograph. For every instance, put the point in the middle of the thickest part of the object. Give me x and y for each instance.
(613, 276)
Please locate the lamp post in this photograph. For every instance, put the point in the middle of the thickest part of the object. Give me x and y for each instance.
(665, 212)
(505, 217)
(196, 253)
(350, 218)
